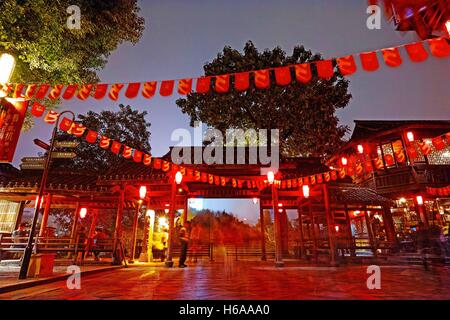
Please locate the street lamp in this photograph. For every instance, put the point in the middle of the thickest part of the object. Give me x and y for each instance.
(7, 63)
(29, 248)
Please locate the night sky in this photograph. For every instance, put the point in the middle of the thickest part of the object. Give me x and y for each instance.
(180, 36)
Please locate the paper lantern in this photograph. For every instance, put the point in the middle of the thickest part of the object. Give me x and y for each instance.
(303, 73)
(70, 91)
(222, 84)
(203, 85)
(262, 79)
(149, 89)
(325, 69)
(283, 76)
(241, 81)
(100, 91)
(166, 88)
(392, 57)
(346, 65)
(185, 86)
(115, 91)
(416, 52)
(84, 91)
(369, 61)
(132, 90)
(42, 91)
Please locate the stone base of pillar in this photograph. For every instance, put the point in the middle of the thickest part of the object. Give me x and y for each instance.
(279, 264)
(169, 264)
(143, 257)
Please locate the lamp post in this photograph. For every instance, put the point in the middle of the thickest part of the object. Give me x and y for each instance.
(176, 180)
(29, 248)
(7, 64)
(142, 193)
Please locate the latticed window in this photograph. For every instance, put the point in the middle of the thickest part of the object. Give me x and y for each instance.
(438, 157)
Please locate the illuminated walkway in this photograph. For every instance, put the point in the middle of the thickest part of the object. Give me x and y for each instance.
(249, 280)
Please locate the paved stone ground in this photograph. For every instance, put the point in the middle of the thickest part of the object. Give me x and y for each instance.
(249, 280)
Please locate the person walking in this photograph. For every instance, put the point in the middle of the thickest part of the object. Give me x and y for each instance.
(184, 240)
(423, 244)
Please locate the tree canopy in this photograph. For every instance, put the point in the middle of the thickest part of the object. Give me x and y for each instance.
(126, 126)
(47, 51)
(304, 113)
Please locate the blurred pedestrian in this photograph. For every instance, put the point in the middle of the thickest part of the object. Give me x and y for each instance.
(184, 240)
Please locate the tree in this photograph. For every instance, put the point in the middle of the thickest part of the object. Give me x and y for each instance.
(47, 51)
(126, 126)
(304, 113)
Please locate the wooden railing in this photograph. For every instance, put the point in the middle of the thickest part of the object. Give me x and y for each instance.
(17, 245)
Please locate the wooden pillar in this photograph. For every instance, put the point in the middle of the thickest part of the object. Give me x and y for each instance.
(330, 223)
(389, 227)
(349, 232)
(372, 239)
(262, 230)
(169, 262)
(185, 210)
(48, 202)
(422, 214)
(300, 228)
(134, 235)
(277, 228)
(19, 215)
(73, 232)
(93, 223)
(313, 229)
(117, 254)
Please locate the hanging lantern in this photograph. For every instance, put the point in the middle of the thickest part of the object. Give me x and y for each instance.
(419, 200)
(336, 228)
(142, 192)
(166, 210)
(305, 190)
(344, 161)
(410, 136)
(447, 26)
(83, 213)
(255, 200)
(360, 148)
(270, 177)
(178, 177)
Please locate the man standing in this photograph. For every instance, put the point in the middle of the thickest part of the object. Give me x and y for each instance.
(184, 240)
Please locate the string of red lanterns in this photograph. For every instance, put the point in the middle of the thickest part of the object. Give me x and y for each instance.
(283, 75)
(138, 156)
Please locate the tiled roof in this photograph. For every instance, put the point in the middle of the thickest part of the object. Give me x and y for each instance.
(367, 128)
(350, 193)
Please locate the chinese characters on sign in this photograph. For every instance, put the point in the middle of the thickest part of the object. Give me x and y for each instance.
(12, 115)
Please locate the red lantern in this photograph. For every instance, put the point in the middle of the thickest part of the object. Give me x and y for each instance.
(132, 90)
(185, 86)
(149, 89)
(83, 213)
(262, 79)
(305, 189)
(241, 81)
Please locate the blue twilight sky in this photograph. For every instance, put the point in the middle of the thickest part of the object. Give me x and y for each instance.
(181, 35)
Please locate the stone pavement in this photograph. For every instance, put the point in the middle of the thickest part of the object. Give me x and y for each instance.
(9, 276)
(249, 280)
